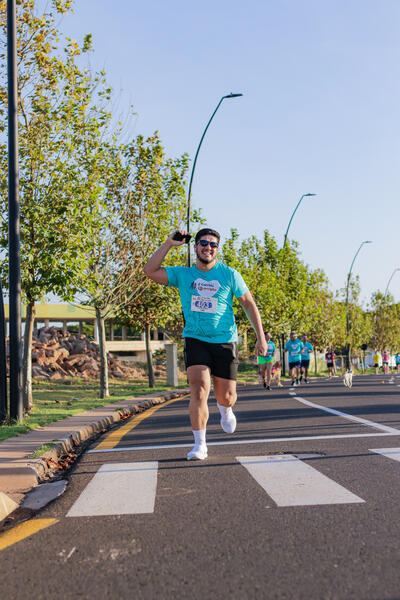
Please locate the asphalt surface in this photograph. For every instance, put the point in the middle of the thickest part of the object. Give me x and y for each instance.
(215, 532)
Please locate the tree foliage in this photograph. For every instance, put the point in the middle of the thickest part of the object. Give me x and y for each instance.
(62, 118)
(385, 317)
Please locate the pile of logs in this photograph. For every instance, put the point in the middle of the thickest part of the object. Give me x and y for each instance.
(56, 355)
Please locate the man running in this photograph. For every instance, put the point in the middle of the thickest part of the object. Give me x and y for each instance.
(294, 346)
(206, 290)
(305, 358)
(397, 361)
(265, 362)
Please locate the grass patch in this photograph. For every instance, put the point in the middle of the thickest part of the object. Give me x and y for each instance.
(53, 401)
(41, 450)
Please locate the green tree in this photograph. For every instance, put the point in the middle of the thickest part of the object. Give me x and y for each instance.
(284, 288)
(145, 201)
(385, 317)
(62, 117)
(360, 330)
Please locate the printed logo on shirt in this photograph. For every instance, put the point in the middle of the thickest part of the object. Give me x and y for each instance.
(206, 288)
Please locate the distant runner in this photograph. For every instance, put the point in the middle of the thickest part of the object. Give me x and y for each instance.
(376, 358)
(207, 290)
(305, 358)
(294, 346)
(266, 362)
(385, 362)
(397, 359)
(330, 362)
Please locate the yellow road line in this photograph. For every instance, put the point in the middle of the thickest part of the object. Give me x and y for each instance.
(113, 438)
(24, 530)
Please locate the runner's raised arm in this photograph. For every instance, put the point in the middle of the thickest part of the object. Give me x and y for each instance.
(153, 268)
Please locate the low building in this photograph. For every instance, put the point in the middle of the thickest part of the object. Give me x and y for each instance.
(118, 340)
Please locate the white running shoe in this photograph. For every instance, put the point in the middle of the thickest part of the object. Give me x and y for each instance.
(197, 453)
(228, 422)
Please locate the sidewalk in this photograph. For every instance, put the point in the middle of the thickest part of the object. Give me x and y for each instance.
(20, 472)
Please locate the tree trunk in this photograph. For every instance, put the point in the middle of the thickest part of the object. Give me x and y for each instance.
(149, 356)
(315, 361)
(104, 391)
(245, 344)
(27, 358)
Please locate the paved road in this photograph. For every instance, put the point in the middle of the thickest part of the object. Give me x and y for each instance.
(298, 504)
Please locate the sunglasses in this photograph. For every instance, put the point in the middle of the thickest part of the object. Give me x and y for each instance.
(205, 243)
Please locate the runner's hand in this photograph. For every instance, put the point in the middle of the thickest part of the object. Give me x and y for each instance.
(261, 347)
(173, 242)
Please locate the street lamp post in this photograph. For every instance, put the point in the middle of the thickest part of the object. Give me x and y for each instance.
(293, 213)
(194, 165)
(391, 277)
(3, 362)
(347, 304)
(16, 407)
(284, 244)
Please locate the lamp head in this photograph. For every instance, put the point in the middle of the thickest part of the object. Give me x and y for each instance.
(231, 95)
(367, 242)
(310, 194)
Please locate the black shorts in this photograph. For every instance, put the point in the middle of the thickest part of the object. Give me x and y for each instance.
(294, 364)
(222, 359)
(329, 365)
(305, 363)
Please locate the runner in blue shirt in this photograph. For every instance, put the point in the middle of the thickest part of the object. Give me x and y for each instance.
(207, 290)
(265, 362)
(397, 359)
(294, 346)
(305, 358)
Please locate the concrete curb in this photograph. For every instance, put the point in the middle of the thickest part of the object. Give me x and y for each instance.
(45, 466)
(30, 472)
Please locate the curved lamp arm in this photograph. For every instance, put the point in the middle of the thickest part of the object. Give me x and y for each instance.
(195, 161)
(291, 218)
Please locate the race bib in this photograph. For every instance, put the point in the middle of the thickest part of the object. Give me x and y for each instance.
(204, 305)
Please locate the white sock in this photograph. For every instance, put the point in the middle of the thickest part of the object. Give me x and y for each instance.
(224, 410)
(199, 437)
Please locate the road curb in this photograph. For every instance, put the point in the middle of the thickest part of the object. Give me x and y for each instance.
(46, 466)
(54, 463)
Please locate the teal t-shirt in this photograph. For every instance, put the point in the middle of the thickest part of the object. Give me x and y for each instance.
(271, 350)
(206, 298)
(294, 347)
(305, 353)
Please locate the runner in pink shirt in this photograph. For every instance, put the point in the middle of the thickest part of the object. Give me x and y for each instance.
(385, 361)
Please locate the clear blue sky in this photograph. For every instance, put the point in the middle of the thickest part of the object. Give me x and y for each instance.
(320, 113)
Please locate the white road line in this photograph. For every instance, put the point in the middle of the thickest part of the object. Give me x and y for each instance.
(393, 453)
(118, 489)
(245, 442)
(333, 411)
(291, 482)
(292, 393)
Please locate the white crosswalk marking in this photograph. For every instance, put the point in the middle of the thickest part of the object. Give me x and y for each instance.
(292, 482)
(393, 453)
(119, 489)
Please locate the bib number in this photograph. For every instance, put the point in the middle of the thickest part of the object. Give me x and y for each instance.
(204, 305)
